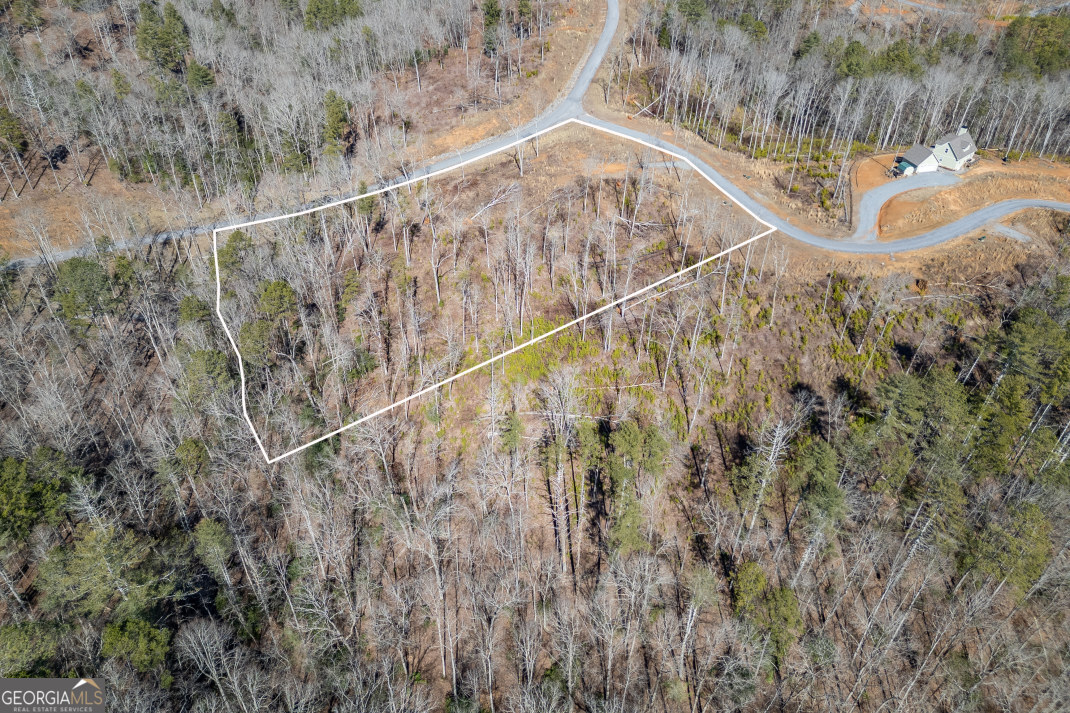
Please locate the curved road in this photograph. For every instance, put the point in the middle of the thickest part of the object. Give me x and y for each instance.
(864, 240)
(570, 107)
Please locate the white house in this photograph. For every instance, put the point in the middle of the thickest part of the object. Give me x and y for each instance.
(918, 159)
(953, 150)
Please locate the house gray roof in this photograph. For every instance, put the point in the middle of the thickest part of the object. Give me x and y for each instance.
(916, 154)
(961, 143)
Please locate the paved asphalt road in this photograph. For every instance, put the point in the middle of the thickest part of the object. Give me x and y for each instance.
(863, 241)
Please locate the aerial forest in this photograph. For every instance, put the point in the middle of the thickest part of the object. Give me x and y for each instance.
(231, 102)
(768, 486)
(783, 481)
(398, 292)
(816, 92)
(208, 98)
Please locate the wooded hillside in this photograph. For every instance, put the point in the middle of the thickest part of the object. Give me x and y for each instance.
(817, 88)
(208, 97)
(785, 483)
(399, 291)
(773, 489)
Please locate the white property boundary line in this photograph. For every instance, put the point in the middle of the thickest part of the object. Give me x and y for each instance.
(493, 359)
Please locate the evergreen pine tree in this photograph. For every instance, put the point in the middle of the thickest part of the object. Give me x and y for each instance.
(336, 116)
(199, 77)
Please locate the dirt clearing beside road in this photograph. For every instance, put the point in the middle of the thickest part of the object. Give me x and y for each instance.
(988, 182)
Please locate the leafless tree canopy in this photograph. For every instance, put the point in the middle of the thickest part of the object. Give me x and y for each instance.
(780, 482)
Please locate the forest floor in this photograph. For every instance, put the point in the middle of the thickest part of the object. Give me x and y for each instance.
(59, 213)
(758, 177)
(484, 222)
(990, 13)
(906, 215)
(445, 129)
(947, 278)
(962, 266)
(446, 112)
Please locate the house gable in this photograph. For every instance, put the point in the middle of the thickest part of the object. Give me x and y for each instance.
(954, 149)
